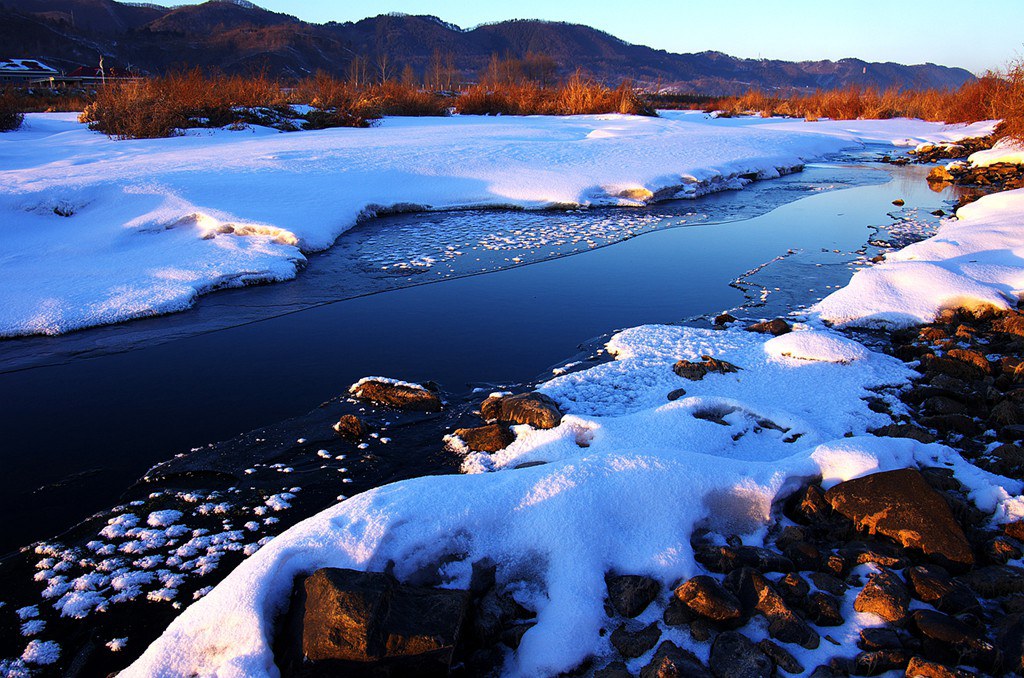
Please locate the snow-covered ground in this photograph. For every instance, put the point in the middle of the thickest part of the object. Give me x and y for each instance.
(628, 478)
(96, 231)
(975, 260)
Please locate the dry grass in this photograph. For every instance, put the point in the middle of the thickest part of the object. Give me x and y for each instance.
(577, 96)
(990, 97)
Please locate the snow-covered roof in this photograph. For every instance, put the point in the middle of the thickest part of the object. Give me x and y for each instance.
(25, 65)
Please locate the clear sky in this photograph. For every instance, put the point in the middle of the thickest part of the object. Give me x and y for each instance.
(973, 34)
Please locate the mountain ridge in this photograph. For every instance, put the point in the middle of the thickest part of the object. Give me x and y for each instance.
(237, 36)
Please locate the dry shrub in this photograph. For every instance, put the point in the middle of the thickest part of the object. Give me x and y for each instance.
(577, 96)
(1011, 103)
(12, 110)
(989, 97)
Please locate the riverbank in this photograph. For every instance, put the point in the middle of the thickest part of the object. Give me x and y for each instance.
(713, 461)
(709, 417)
(143, 227)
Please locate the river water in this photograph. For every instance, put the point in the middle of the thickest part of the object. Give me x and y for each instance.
(463, 299)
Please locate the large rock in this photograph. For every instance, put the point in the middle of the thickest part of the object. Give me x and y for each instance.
(903, 506)
(362, 623)
(402, 395)
(778, 327)
(733, 655)
(535, 409)
(706, 597)
(489, 438)
(950, 639)
(920, 668)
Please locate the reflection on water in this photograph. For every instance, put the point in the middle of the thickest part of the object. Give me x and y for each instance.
(105, 404)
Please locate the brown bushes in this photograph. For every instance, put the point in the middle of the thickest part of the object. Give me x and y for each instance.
(11, 110)
(577, 96)
(990, 97)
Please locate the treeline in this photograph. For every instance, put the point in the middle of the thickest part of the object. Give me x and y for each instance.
(992, 96)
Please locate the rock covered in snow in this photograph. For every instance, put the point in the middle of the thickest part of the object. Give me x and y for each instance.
(402, 395)
(535, 409)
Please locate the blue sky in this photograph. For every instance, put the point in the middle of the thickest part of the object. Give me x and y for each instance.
(975, 35)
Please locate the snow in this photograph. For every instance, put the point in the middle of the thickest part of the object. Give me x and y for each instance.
(975, 260)
(718, 458)
(41, 652)
(165, 518)
(813, 345)
(1005, 150)
(98, 231)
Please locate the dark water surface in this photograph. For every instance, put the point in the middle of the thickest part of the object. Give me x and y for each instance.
(86, 414)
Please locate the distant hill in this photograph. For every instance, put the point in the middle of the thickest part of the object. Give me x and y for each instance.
(237, 37)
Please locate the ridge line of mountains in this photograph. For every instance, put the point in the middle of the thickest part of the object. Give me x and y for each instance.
(236, 36)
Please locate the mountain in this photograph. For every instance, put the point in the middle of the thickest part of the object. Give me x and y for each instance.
(236, 36)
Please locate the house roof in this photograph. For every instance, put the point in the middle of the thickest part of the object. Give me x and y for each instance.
(25, 65)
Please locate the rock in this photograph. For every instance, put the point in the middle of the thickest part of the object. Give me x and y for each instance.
(901, 505)
(489, 438)
(1000, 550)
(756, 593)
(899, 202)
(904, 431)
(877, 662)
(939, 175)
(971, 357)
(884, 595)
(952, 423)
(1006, 460)
(920, 668)
(805, 555)
(947, 635)
(778, 327)
(733, 655)
(932, 584)
(823, 609)
(513, 635)
(351, 427)
(354, 621)
(632, 644)
(781, 656)
(671, 661)
(808, 506)
(793, 589)
(697, 371)
(1007, 413)
(677, 614)
(631, 594)
(676, 394)
(881, 638)
(398, 394)
(994, 581)
(706, 597)
(1010, 640)
(535, 409)
(827, 583)
(1010, 324)
(1014, 530)
(953, 368)
(724, 319)
(614, 670)
(725, 559)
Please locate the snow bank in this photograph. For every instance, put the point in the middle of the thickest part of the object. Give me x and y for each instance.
(975, 260)
(96, 231)
(628, 477)
(1005, 150)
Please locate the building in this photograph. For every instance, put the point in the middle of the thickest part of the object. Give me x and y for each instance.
(25, 71)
